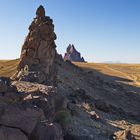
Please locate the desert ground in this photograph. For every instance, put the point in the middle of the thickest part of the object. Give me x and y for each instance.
(129, 72)
(8, 67)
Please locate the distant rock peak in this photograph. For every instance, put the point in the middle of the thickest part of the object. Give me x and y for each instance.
(72, 54)
(71, 48)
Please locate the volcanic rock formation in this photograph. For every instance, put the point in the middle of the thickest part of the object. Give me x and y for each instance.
(38, 51)
(73, 55)
(82, 106)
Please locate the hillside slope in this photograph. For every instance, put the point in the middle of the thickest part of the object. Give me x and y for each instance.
(131, 72)
(103, 98)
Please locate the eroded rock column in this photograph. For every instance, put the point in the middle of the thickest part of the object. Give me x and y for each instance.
(38, 51)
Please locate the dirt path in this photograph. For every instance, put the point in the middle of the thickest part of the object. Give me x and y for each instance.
(135, 79)
(130, 77)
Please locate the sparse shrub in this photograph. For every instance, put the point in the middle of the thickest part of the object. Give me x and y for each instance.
(62, 116)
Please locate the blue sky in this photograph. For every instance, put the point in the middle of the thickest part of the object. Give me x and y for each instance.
(102, 30)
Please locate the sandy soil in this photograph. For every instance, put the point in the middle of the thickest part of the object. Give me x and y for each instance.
(127, 71)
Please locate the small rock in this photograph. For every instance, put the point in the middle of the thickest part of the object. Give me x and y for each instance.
(101, 105)
(94, 115)
(81, 93)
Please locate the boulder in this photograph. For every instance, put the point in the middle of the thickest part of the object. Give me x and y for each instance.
(101, 105)
(47, 131)
(21, 117)
(5, 85)
(80, 94)
(7, 133)
(109, 108)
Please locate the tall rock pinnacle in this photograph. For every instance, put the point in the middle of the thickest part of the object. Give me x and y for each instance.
(38, 51)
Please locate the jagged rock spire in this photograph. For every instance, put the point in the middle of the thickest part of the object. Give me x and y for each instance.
(72, 54)
(38, 51)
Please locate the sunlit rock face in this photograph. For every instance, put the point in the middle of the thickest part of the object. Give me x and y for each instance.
(73, 55)
(38, 51)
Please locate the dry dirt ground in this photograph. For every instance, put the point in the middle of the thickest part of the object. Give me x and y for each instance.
(8, 67)
(130, 72)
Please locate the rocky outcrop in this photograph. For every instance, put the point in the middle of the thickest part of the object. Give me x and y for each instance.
(38, 51)
(28, 111)
(82, 106)
(28, 107)
(73, 55)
